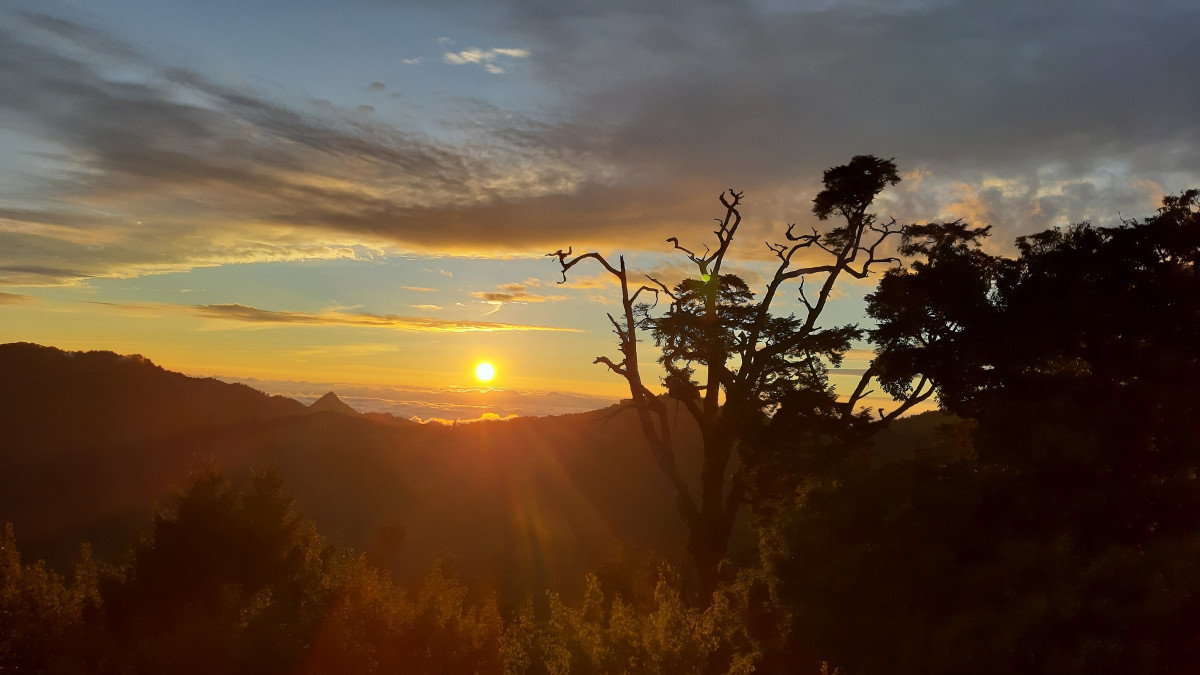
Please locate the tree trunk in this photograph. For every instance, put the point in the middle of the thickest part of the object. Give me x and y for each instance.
(709, 533)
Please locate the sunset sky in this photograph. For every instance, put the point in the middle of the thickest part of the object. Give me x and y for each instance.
(359, 194)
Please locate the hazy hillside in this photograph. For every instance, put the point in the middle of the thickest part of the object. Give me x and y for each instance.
(53, 398)
(94, 440)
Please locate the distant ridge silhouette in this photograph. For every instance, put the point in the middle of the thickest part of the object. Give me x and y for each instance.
(93, 440)
(55, 399)
(331, 403)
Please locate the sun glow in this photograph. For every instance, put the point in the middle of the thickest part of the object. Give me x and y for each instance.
(485, 372)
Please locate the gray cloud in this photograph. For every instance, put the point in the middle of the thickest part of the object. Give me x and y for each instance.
(967, 82)
(763, 96)
(1021, 113)
(36, 275)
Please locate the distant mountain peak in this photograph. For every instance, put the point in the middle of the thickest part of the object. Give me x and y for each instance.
(331, 403)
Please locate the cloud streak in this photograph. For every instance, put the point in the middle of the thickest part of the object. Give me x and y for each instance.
(15, 299)
(518, 293)
(487, 58)
(248, 314)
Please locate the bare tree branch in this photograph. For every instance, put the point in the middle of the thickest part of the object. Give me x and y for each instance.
(568, 264)
(735, 497)
(663, 287)
(645, 288)
(691, 256)
(860, 391)
(746, 351)
(803, 297)
(916, 398)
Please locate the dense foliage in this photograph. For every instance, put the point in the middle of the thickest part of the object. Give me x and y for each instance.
(729, 361)
(233, 581)
(1061, 534)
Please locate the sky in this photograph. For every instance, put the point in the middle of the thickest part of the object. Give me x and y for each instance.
(359, 195)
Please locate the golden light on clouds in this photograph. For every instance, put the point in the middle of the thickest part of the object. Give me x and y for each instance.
(14, 299)
(253, 315)
(246, 313)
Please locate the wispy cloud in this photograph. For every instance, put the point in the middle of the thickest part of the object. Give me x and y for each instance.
(419, 289)
(485, 57)
(248, 314)
(516, 292)
(593, 282)
(38, 275)
(15, 299)
(173, 169)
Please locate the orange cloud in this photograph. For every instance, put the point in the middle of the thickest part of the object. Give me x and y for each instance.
(589, 283)
(15, 299)
(237, 312)
(509, 293)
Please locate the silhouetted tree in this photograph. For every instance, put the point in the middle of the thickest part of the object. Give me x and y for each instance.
(39, 611)
(230, 580)
(730, 362)
(1089, 329)
(227, 580)
(1064, 537)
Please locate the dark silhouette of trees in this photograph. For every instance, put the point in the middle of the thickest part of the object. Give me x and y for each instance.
(39, 610)
(230, 580)
(1090, 329)
(1062, 537)
(227, 580)
(731, 363)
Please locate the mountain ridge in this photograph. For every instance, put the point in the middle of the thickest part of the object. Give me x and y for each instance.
(95, 440)
(331, 403)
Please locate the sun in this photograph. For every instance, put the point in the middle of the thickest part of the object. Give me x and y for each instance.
(485, 372)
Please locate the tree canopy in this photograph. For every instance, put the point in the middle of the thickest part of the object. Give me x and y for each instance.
(1061, 534)
(730, 362)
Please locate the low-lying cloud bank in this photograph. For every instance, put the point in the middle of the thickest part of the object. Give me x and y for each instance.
(433, 404)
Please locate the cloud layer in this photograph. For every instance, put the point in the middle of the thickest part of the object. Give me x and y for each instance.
(253, 315)
(1021, 114)
(435, 404)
